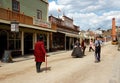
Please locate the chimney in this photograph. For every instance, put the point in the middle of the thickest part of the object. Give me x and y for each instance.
(113, 30)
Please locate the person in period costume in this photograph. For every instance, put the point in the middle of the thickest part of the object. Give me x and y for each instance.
(83, 45)
(77, 51)
(98, 44)
(91, 45)
(39, 53)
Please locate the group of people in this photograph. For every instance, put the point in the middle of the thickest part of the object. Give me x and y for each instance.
(95, 46)
(78, 50)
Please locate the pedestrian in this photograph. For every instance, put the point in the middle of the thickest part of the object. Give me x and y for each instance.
(77, 51)
(91, 45)
(83, 45)
(39, 53)
(77, 43)
(97, 44)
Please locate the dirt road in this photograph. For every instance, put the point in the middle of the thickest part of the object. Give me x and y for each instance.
(62, 68)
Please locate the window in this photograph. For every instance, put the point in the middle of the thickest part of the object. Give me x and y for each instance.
(15, 6)
(14, 41)
(39, 14)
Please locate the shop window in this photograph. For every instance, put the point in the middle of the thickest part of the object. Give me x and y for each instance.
(18, 45)
(14, 41)
(15, 6)
(58, 43)
(39, 14)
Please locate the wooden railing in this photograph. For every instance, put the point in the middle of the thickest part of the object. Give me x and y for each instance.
(62, 24)
(9, 15)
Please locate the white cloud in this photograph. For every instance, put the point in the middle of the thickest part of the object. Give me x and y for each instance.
(88, 13)
(53, 8)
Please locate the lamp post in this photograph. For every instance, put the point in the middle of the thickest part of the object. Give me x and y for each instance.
(15, 29)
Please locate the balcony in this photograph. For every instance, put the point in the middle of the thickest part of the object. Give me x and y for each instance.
(67, 26)
(9, 15)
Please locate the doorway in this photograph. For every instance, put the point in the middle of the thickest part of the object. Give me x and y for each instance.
(67, 43)
(3, 42)
(28, 43)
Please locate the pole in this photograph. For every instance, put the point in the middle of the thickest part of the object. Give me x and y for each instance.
(46, 62)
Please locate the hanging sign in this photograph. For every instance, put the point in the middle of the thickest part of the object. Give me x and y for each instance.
(14, 26)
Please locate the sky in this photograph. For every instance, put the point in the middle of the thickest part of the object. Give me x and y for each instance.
(88, 14)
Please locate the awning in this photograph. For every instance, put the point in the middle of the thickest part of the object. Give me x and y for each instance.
(70, 34)
(35, 27)
(28, 26)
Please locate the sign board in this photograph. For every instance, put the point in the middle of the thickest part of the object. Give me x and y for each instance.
(14, 26)
(41, 23)
(7, 56)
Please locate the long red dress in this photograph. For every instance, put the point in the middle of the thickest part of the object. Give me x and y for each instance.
(39, 51)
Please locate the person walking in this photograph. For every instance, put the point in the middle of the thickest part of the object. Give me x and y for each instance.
(98, 44)
(39, 53)
(83, 45)
(91, 45)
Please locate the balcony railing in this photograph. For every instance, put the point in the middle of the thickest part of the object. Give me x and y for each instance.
(64, 25)
(9, 15)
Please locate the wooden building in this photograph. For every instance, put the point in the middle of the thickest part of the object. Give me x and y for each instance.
(21, 23)
(65, 35)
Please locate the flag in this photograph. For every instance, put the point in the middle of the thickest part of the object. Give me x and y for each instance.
(59, 10)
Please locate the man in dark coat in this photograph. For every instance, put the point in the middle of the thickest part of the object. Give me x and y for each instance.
(98, 44)
(83, 45)
(39, 53)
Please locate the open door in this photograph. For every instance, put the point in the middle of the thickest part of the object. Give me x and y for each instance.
(3, 42)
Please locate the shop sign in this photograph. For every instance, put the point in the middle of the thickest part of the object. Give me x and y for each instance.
(41, 23)
(14, 26)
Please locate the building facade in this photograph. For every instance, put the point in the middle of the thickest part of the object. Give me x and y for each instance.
(65, 35)
(21, 22)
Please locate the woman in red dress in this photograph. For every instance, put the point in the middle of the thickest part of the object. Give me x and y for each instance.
(39, 53)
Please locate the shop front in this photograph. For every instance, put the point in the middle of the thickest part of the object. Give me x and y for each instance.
(22, 42)
(70, 40)
(58, 41)
(63, 41)
(9, 40)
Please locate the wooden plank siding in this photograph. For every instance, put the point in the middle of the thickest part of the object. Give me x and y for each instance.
(9, 15)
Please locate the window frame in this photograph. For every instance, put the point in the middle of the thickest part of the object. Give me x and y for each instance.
(39, 14)
(15, 5)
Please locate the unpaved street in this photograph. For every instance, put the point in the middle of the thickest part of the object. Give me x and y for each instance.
(62, 68)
